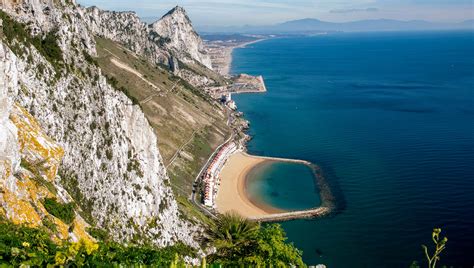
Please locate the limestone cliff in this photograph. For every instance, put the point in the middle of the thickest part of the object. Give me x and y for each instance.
(127, 29)
(171, 41)
(111, 165)
(29, 161)
(177, 30)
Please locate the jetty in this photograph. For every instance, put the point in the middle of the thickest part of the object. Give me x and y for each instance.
(244, 83)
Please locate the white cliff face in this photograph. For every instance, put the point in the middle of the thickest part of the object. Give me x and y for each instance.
(111, 162)
(9, 147)
(177, 30)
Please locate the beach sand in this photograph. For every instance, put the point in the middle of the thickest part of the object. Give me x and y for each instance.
(232, 196)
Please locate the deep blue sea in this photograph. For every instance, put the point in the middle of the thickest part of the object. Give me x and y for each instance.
(390, 119)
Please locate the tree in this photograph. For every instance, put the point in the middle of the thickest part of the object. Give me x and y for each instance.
(232, 235)
(239, 241)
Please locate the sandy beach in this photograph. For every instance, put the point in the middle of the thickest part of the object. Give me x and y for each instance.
(232, 196)
(221, 55)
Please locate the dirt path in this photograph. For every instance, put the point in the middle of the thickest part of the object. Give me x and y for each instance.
(127, 68)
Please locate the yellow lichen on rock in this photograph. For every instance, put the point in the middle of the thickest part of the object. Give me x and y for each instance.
(22, 191)
(36, 148)
(19, 210)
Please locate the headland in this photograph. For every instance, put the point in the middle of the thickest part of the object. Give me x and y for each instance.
(221, 51)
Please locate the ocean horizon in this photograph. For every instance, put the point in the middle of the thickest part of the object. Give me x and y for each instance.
(389, 118)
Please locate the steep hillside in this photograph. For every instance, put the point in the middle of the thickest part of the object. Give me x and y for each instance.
(188, 123)
(111, 166)
(30, 192)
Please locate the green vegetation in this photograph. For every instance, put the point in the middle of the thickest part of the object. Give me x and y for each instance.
(49, 48)
(98, 233)
(46, 45)
(71, 184)
(64, 212)
(89, 58)
(36, 169)
(25, 246)
(113, 81)
(190, 212)
(240, 242)
(440, 245)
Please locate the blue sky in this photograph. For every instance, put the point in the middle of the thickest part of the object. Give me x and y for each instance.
(263, 12)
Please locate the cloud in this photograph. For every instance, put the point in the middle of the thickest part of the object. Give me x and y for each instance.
(353, 10)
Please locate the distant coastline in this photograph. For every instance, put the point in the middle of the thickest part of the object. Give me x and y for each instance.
(229, 59)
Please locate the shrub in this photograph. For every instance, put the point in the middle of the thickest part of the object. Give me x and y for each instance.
(30, 247)
(98, 233)
(64, 212)
(46, 44)
(49, 48)
(114, 83)
(89, 58)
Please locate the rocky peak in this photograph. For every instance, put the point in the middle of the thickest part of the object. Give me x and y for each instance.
(177, 11)
(176, 29)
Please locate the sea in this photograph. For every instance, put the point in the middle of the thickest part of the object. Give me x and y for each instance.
(389, 117)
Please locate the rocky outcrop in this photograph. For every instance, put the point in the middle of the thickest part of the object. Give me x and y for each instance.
(29, 161)
(126, 29)
(111, 164)
(180, 37)
(163, 42)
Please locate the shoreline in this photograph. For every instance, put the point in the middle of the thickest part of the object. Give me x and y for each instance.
(243, 192)
(227, 66)
(233, 197)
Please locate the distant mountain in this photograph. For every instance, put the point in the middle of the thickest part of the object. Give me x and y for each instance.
(309, 25)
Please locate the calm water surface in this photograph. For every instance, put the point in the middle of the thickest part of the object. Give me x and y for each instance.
(390, 118)
(283, 185)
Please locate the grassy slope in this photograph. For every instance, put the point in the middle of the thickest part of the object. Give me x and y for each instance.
(180, 115)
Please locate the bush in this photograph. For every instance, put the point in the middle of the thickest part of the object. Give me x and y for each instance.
(47, 44)
(25, 246)
(48, 47)
(64, 212)
(89, 58)
(98, 233)
(114, 83)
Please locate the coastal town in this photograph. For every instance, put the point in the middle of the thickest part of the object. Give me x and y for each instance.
(220, 51)
(211, 177)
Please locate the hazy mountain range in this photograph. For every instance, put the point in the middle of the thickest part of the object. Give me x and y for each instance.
(310, 25)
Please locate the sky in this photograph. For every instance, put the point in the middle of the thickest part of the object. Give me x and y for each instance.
(266, 12)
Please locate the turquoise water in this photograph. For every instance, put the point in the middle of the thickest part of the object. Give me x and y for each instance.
(283, 185)
(390, 119)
